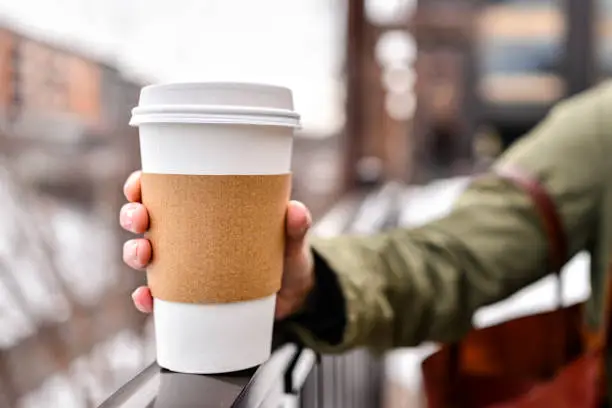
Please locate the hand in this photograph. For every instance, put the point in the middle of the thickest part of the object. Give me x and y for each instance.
(298, 274)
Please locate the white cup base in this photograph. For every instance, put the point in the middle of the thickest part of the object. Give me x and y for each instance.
(213, 338)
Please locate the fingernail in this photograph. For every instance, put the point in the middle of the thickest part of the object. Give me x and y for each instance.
(129, 216)
(306, 226)
(138, 305)
(134, 252)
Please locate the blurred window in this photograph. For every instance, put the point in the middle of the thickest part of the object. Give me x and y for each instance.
(517, 56)
(520, 51)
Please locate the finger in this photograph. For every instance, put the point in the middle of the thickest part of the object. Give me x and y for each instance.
(298, 224)
(131, 189)
(143, 300)
(137, 253)
(283, 308)
(298, 220)
(134, 218)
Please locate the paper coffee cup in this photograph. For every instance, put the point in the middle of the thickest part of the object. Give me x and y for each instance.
(216, 160)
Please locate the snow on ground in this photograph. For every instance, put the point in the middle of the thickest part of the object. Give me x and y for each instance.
(54, 256)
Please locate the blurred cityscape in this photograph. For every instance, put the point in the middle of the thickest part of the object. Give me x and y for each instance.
(391, 90)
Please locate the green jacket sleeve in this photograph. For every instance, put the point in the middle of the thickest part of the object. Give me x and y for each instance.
(406, 286)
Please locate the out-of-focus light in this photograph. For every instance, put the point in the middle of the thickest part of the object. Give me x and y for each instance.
(400, 106)
(398, 79)
(383, 12)
(396, 47)
(370, 169)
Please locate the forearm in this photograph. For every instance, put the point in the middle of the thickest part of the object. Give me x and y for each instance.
(407, 286)
(410, 285)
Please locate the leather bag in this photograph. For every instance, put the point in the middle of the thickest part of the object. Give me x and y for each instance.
(545, 360)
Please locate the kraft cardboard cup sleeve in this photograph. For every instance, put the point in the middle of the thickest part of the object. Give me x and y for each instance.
(216, 162)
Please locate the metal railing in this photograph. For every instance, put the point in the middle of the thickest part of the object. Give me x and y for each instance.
(293, 377)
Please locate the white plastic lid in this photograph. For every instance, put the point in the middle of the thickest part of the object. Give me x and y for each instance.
(216, 102)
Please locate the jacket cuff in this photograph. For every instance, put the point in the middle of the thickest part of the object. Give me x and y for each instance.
(345, 309)
(323, 317)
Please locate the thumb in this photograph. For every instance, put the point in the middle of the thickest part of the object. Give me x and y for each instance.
(298, 223)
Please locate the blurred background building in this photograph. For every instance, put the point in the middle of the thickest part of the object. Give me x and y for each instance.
(390, 90)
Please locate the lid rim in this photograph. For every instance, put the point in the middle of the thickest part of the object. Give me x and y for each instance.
(213, 109)
(178, 118)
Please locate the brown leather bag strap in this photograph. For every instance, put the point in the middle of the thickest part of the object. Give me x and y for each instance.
(555, 234)
(557, 256)
(557, 243)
